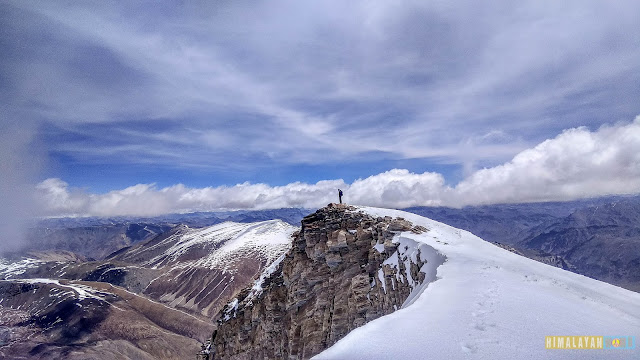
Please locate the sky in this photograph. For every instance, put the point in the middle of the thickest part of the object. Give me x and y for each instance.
(144, 108)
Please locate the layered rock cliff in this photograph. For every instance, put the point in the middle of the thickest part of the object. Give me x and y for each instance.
(345, 269)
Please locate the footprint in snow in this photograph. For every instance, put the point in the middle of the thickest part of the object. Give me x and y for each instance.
(468, 348)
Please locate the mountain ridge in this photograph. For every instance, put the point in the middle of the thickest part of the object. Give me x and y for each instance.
(190, 276)
(475, 298)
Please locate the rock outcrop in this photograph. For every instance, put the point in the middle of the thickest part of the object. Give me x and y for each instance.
(345, 268)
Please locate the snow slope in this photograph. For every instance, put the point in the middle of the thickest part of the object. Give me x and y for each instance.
(488, 303)
(224, 243)
(201, 268)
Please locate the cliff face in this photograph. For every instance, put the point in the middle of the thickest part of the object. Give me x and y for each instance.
(345, 269)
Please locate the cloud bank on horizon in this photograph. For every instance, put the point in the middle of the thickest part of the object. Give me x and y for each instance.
(577, 163)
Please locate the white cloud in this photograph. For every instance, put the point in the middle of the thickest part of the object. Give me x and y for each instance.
(577, 163)
(55, 195)
(148, 200)
(399, 188)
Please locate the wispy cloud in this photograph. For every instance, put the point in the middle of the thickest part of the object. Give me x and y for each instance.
(577, 163)
(323, 82)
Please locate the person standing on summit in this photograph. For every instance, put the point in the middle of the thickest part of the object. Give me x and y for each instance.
(340, 195)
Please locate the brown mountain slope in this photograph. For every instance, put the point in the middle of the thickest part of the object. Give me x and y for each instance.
(47, 319)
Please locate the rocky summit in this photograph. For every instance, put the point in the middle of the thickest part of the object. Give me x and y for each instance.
(344, 269)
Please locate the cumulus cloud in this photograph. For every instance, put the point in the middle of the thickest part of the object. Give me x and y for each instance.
(148, 200)
(577, 163)
(399, 188)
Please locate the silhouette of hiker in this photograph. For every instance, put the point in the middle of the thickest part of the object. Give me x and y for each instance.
(340, 195)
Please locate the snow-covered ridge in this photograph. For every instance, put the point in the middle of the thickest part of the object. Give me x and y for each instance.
(199, 269)
(224, 243)
(488, 303)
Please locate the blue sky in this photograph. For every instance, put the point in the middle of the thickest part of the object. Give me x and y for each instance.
(101, 97)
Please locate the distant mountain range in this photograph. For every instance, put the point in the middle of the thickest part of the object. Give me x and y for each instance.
(594, 237)
(96, 237)
(193, 219)
(509, 223)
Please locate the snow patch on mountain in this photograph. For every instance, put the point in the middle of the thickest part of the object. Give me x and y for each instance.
(227, 242)
(81, 291)
(12, 269)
